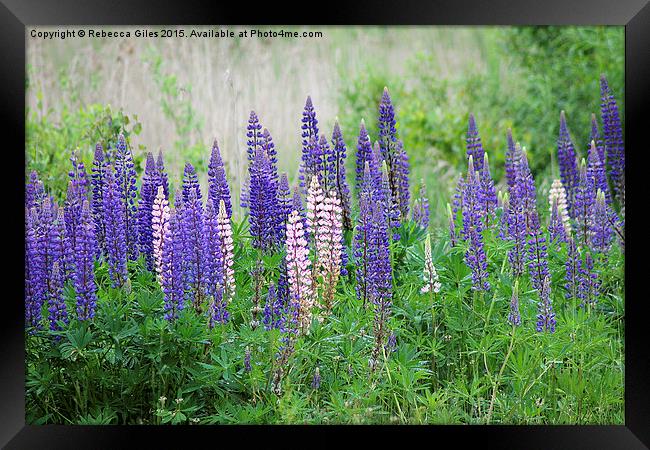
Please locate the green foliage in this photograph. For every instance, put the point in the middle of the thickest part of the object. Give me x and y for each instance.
(452, 360)
(49, 142)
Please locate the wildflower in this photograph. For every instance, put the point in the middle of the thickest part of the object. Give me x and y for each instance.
(298, 269)
(431, 280)
(126, 180)
(364, 154)
(262, 203)
(309, 137)
(546, 317)
(472, 227)
(218, 184)
(613, 137)
(315, 196)
(474, 145)
(172, 265)
(227, 247)
(159, 226)
(342, 188)
(387, 131)
(97, 182)
(194, 259)
(315, 382)
(35, 271)
(329, 232)
(588, 283)
(596, 171)
(557, 232)
(487, 195)
(284, 203)
(34, 191)
(362, 236)
(273, 309)
(145, 209)
(116, 251)
(557, 194)
(585, 199)
(420, 212)
(601, 231)
(514, 317)
(402, 169)
(84, 268)
(213, 266)
(163, 180)
(56, 304)
(567, 161)
(511, 160)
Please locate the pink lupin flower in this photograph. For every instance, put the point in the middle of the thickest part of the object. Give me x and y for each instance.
(329, 231)
(299, 268)
(225, 233)
(160, 226)
(315, 196)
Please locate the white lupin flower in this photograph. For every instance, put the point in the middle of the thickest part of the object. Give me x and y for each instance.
(558, 193)
(160, 226)
(431, 280)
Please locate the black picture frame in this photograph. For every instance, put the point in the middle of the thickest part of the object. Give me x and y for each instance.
(16, 15)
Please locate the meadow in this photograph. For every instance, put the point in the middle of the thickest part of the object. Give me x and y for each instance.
(368, 285)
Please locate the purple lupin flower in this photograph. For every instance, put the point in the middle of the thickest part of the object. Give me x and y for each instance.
(35, 271)
(514, 317)
(325, 164)
(511, 160)
(487, 193)
(613, 137)
(194, 258)
(217, 183)
(309, 132)
(556, 230)
(596, 172)
(458, 195)
(164, 181)
(472, 227)
(588, 283)
(364, 154)
(602, 231)
(115, 232)
(380, 278)
(387, 131)
(473, 144)
(546, 317)
(315, 381)
(273, 309)
(217, 309)
(420, 212)
(572, 267)
(172, 266)
(190, 183)
(57, 241)
(362, 235)
(597, 138)
(56, 305)
(262, 203)
(254, 139)
(84, 268)
(150, 181)
(537, 252)
(566, 157)
(97, 182)
(585, 198)
(126, 179)
(402, 169)
(285, 201)
(34, 191)
(342, 188)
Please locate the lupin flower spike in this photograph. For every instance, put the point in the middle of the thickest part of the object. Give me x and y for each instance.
(431, 280)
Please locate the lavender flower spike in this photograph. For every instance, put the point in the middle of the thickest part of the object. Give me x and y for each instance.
(567, 161)
(474, 145)
(613, 136)
(84, 274)
(115, 231)
(546, 317)
(218, 184)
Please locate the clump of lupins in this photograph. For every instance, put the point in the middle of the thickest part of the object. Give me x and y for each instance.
(192, 250)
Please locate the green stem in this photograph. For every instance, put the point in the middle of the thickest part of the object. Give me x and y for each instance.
(498, 378)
